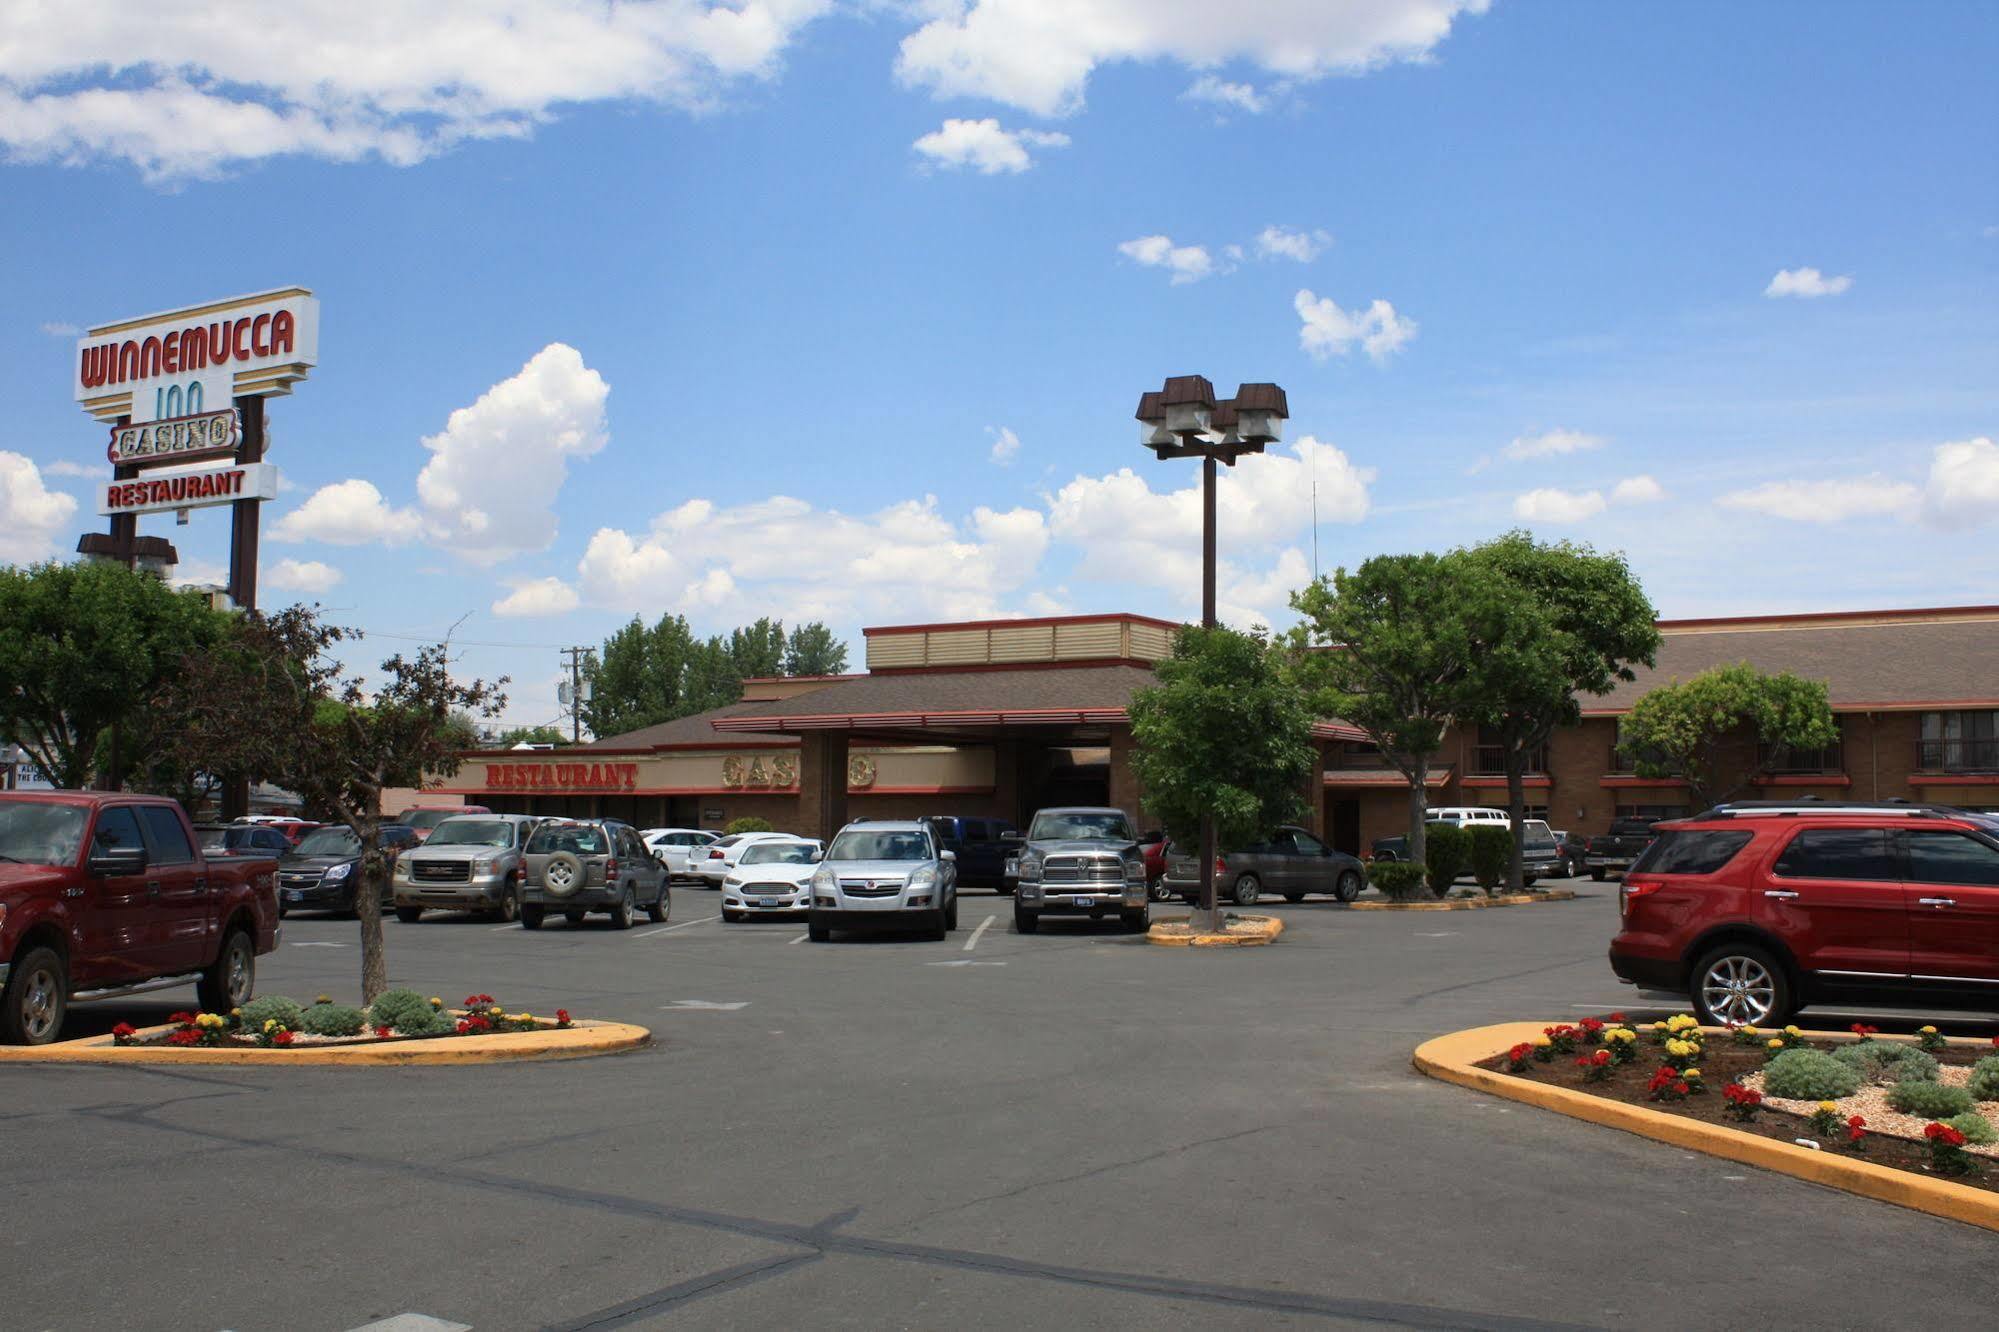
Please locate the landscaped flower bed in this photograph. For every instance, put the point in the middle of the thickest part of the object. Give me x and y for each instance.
(275, 1022)
(1930, 1106)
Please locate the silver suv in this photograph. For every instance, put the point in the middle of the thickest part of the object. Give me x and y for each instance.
(884, 874)
(585, 865)
(469, 863)
(1081, 861)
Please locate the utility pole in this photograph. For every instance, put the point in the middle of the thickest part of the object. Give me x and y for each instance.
(577, 656)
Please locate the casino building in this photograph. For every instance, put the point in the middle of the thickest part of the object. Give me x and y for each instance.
(998, 718)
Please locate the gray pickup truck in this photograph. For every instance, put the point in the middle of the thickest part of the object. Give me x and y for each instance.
(1080, 862)
(1613, 852)
(472, 862)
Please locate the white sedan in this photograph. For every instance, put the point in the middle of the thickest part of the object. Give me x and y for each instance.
(678, 847)
(721, 855)
(774, 877)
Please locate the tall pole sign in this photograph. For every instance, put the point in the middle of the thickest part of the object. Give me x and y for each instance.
(188, 386)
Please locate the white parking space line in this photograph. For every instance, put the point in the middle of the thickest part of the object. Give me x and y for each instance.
(704, 1005)
(984, 925)
(799, 938)
(315, 943)
(514, 925)
(413, 1322)
(669, 929)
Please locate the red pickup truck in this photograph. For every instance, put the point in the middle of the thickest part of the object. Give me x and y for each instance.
(104, 894)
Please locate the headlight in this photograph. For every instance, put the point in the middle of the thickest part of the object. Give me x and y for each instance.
(1134, 869)
(733, 881)
(925, 877)
(822, 879)
(402, 870)
(486, 866)
(1030, 865)
(341, 871)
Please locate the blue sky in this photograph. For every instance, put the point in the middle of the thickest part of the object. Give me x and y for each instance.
(839, 310)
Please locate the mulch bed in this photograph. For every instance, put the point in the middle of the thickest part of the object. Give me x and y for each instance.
(1724, 1062)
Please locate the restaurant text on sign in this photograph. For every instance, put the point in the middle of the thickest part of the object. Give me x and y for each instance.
(562, 777)
(189, 490)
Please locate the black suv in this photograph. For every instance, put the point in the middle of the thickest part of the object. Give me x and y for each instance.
(980, 845)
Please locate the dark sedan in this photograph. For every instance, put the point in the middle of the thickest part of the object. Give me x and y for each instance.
(323, 871)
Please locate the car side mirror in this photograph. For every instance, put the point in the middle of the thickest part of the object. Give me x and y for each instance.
(818, 856)
(1011, 836)
(110, 862)
(947, 856)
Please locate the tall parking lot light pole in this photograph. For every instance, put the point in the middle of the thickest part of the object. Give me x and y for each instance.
(1183, 420)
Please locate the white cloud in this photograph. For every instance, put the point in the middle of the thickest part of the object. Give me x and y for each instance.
(61, 330)
(1329, 331)
(1806, 282)
(984, 147)
(1551, 444)
(1637, 490)
(785, 556)
(1125, 531)
(1006, 445)
(537, 596)
(1275, 242)
(1963, 488)
(498, 465)
(1221, 92)
(1829, 501)
(177, 93)
(1549, 505)
(31, 515)
(348, 513)
(304, 576)
(87, 471)
(1038, 55)
(1187, 263)
(199, 573)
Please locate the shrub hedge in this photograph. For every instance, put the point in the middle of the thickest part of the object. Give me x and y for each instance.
(1805, 1074)
(1491, 848)
(1446, 853)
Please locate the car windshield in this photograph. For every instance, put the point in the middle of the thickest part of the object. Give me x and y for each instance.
(330, 842)
(1108, 825)
(422, 819)
(878, 844)
(778, 853)
(578, 839)
(36, 833)
(472, 832)
(213, 839)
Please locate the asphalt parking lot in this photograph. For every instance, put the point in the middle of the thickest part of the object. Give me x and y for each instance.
(1073, 1129)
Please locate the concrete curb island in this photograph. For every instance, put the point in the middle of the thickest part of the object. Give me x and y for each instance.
(1470, 903)
(1248, 932)
(581, 1041)
(1453, 1058)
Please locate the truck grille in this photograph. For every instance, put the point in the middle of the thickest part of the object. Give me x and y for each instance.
(1081, 869)
(301, 878)
(869, 888)
(441, 871)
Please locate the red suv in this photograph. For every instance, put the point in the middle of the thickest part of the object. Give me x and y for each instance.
(1756, 909)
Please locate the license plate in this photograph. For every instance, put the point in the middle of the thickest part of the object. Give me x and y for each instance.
(1080, 901)
(294, 894)
(770, 901)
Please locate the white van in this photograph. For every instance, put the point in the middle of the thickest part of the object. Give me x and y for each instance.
(1469, 816)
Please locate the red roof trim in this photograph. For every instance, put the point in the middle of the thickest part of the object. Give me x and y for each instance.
(1020, 624)
(1956, 779)
(855, 792)
(1485, 781)
(791, 679)
(1820, 617)
(1843, 705)
(1643, 783)
(1806, 779)
(973, 668)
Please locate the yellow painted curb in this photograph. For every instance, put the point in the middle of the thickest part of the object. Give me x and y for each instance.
(1453, 1058)
(1470, 903)
(1264, 929)
(579, 1041)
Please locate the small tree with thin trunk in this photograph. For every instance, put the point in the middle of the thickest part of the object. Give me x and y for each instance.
(277, 704)
(1577, 622)
(1223, 733)
(1392, 648)
(1682, 730)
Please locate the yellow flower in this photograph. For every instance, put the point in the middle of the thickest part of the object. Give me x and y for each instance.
(1682, 1049)
(1829, 1107)
(269, 1023)
(1793, 1031)
(1749, 1028)
(323, 999)
(436, 1002)
(1658, 1026)
(1690, 1075)
(1542, 1040)
(1927, 1031)
(523, 1017)
(1773, 1044)
(1680, 1022)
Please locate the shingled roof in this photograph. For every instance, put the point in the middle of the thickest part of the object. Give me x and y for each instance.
(1890, 660)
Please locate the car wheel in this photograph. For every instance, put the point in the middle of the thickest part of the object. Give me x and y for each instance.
(1159, 892)
(1136, 922)
(1529, 880)
(951, 913)
(1247, 889)
(937, 930)
(1005, 889)
(661, 908)
(1741, 984)
(818, 931)
(531, 917)
(731, 917)
(625, 910)
(283, 911)
(231, 978)
(510, 906)
(1597, 872)
(36, 999)
(1294, 897)
(1348, 886)
(409, 915)
(574, 917)
(1025, 921)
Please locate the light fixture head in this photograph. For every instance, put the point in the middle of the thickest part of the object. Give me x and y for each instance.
(1189, 401)
(1151, 417)
(1261, 410)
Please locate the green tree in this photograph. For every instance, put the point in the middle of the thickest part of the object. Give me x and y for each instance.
(1392, 648)
(1578, 623)
(758, 651)
(812, 650)
(82, 646)
(1224, 734)
(1683, 730)
(533, 735)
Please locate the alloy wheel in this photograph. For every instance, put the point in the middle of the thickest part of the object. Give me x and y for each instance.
(1739, 989)
(40, 1006)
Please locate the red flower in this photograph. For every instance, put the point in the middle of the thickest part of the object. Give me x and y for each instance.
(463, 1026)
(1618, 1018)
(185, 1036)
(1856, 1122)
(1592, 1024)
(187, 1019)
(1681, 1089)
(1600, 1058)
(281, 1037)
(1863, 1031)
(124, 1031)
(562, 1019)
(383, 1033)
(1945, 1134)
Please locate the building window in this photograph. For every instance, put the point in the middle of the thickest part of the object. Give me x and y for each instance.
(1784, 760)
(1959, 742)
(1651, 811)
(1624, 758)
(1489, 755)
